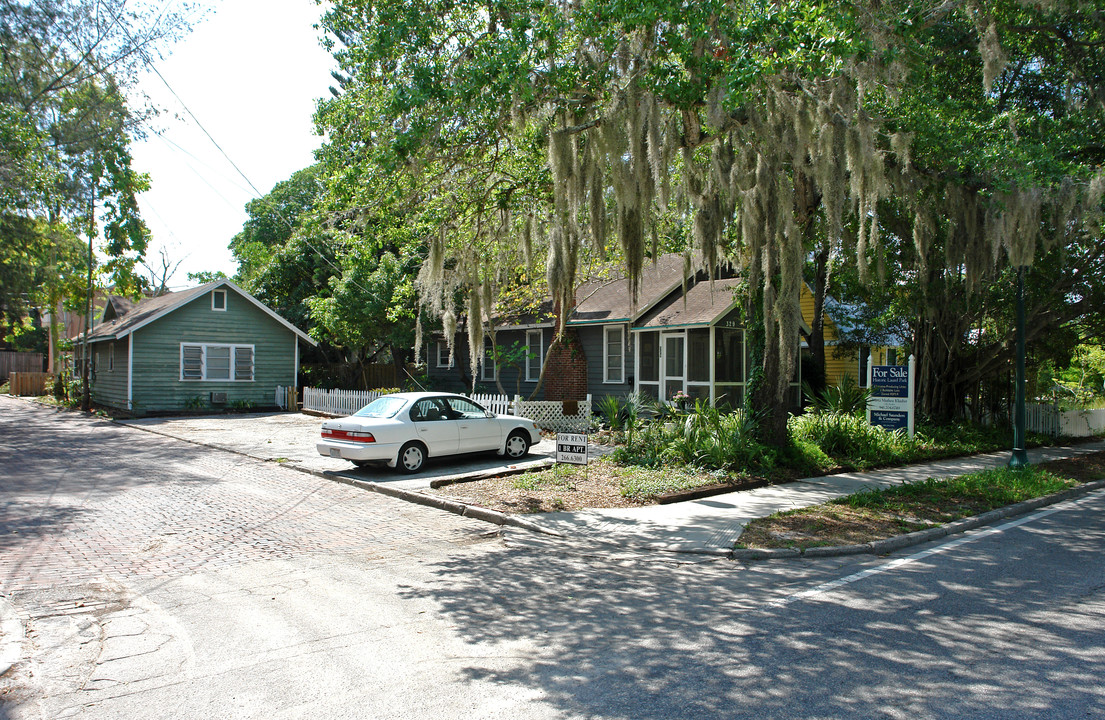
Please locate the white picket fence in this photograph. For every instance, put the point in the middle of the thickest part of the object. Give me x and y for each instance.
(548, 414)
(495, 403)
(1051, 420)
(1043, 419)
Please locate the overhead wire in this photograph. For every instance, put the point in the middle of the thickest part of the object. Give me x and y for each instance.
(148, 62)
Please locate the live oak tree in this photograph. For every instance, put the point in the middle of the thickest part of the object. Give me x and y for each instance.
(756, 133)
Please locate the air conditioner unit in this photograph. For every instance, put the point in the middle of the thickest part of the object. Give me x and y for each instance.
(218, 397)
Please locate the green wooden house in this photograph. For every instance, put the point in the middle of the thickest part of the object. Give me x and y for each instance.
(213, 346)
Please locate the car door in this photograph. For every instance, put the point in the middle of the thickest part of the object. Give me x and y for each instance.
(476, 431)
(435, 426)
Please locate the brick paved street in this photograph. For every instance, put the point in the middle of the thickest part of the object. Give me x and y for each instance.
(83, 500)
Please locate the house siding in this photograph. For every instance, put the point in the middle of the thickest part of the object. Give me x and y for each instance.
(157, 385)
(454, 379)
(591, 336)
(109, 387)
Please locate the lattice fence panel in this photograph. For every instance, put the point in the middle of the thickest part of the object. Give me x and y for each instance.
(549, 414)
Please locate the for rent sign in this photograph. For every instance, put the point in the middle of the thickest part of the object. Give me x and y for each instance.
(571, 448)
(891, 401)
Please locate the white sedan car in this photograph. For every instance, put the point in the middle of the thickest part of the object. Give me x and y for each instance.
(404, 429)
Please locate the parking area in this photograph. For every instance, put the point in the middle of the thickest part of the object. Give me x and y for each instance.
(289, 439)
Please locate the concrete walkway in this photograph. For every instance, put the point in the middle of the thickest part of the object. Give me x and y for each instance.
(712, 525)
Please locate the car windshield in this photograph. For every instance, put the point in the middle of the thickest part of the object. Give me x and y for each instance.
(384, 407)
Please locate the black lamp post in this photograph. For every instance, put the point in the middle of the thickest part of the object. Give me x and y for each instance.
(1019, 459)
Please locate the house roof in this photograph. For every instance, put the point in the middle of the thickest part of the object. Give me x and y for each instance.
(704, 304)
(151, 309)
(608, 301)
(117, 306)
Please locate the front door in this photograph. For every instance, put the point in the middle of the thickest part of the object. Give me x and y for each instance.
(673, 364)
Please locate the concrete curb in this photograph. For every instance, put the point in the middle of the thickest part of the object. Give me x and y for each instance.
(899, 542)
(11, 636)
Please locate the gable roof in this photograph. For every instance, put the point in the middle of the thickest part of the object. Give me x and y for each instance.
(702, 305)
(116, 306)
(152, 309)
(609, 301)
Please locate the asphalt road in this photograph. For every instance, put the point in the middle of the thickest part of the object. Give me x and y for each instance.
(157, 579)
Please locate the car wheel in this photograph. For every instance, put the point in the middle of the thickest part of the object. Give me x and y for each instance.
(411, 457)
(517, 445)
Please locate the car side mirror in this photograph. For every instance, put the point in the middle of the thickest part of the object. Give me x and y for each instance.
(488, 414)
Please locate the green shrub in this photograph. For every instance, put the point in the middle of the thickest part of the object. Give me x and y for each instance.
(849, 439)
(706, 438)
(845, 397)
(199, 402)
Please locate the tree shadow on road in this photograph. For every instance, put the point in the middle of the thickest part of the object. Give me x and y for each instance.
(646, 639)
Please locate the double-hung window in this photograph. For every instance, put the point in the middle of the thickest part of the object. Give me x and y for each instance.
(444, 357)
(535, 354)
(613, 340)
(216, 361)
(487, 365)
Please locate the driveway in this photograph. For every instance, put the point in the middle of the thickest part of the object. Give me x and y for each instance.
(289, 438)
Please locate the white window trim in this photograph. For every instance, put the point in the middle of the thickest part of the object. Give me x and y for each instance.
(540, 353)
(606, 332)
(488, 370)
(213, 294)
(203, 362)
(437, 359)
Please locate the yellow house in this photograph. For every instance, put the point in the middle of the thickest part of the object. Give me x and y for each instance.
(838, 362)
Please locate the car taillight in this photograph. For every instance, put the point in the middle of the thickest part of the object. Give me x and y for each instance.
(350, 435)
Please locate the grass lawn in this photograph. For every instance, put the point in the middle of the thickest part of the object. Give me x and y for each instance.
(874, 515)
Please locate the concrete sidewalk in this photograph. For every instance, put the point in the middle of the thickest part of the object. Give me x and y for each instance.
(713, 525)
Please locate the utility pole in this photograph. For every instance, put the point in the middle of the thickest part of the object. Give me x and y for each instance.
(86, 360)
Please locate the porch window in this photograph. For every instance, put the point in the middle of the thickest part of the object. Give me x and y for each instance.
(535, 354)
(648, 357)
(613, 337)
(729, 355)
(729, 364)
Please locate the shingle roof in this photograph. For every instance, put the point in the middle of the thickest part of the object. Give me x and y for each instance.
(151, 309)
(704, 304)
(611, 301)
(146, 310)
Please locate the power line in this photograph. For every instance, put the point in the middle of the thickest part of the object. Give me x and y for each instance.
(149, 63)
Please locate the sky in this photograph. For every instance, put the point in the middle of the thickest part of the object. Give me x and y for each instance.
(250, 71)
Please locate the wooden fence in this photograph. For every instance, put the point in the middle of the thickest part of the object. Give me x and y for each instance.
(28, 383)
(19, 362)
(337, 402)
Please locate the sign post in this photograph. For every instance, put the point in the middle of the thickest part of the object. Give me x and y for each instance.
(891, 404)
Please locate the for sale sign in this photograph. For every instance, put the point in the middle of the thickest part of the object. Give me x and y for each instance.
(571, 448)
(891, 401)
